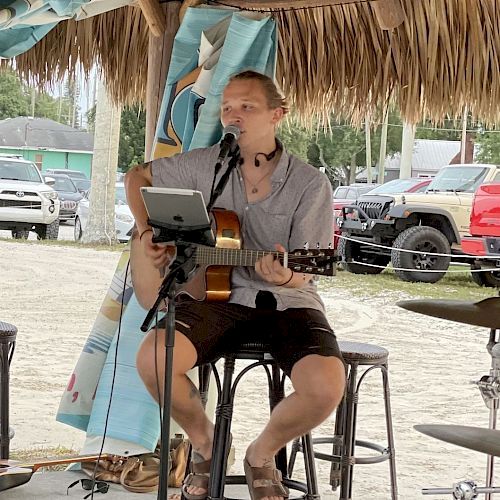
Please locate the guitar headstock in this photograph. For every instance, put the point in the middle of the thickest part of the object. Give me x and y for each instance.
(313, 261)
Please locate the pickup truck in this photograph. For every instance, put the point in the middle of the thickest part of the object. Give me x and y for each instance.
(415, 232)
(484, 239)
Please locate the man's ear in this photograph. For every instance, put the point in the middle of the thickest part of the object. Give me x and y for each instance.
(277, 115)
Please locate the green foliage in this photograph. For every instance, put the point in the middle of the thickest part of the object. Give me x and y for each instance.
(132, 138)
(489, 147)
(14, 100)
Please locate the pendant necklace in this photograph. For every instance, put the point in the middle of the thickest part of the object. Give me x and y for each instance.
(255, 189)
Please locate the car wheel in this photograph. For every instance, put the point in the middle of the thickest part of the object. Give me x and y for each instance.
(77, 233)
(350, 250)
(20, 234)
(48, 231)
(489, 279)
(421, 239)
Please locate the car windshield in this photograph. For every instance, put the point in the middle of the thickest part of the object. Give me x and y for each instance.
(459, 179)
(82, 184)
(366, 189)
(19, 171)
(64, 184)
(395, 186)
(120, 196)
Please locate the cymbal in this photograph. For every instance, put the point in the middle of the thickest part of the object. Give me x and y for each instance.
(483, 313)
(473, 438)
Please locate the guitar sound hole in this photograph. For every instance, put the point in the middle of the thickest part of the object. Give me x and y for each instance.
(228, 233)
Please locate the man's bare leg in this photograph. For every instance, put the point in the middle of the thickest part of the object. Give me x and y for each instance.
(187, 409)
(318, 382)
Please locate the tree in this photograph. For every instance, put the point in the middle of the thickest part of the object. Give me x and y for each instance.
(14, 100)
(132, 138)
(489, 147)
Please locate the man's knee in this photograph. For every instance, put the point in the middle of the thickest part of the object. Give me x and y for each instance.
(324, 387)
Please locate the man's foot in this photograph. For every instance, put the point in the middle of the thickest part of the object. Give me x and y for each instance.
(195, 486)
(263, 479)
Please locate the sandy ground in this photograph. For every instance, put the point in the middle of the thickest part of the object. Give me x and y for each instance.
(52, 295)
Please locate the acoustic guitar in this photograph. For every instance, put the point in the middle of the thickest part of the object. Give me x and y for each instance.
(14, 473)
(212, 278)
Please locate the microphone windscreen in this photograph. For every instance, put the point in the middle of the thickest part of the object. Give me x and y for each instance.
(231, 130)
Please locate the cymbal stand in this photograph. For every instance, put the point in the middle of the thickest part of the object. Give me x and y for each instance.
(489, 386)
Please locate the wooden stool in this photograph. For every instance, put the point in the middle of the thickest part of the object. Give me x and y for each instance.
(7, 343)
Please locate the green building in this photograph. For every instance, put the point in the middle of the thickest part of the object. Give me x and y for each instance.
(47, 143)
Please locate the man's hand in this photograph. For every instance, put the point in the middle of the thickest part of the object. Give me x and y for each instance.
(270, 269)
(160, 254)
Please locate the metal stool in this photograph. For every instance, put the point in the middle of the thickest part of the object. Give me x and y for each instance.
(344, 441)
(7, 343)
(226, 392)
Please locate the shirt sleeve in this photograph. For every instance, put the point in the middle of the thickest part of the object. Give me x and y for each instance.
(175, 171)
(313, 219)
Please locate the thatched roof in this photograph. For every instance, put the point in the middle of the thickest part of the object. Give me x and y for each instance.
(445, 54)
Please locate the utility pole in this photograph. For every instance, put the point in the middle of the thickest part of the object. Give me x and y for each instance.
(383, 147)
(368, 143)
(407, 145)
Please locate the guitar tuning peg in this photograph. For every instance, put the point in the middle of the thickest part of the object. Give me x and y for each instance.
(317, 245)
(306, 245)
(330, 245)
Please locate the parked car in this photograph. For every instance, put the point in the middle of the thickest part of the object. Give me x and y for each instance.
(74, 174)
(396, 186)
(416, 232)
(484, 239)
(27, 203)
(81, 184)
(343, 196)
(69, 196)
(124, 220)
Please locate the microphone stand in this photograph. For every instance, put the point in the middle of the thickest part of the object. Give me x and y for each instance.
(185, 239)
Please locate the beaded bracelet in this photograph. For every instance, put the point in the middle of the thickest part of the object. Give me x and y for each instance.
(288, 280)
(145, 231)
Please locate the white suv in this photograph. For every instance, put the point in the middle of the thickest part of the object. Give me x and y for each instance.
(26, 202)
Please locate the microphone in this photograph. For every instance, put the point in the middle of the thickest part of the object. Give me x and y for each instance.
(230, 135)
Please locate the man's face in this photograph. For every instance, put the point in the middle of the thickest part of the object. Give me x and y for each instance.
(244, 104)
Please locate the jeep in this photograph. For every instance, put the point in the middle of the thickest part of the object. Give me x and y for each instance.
(390, 228)
(26, 202)
(484, 240)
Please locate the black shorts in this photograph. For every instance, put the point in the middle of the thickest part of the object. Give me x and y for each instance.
(219, 328)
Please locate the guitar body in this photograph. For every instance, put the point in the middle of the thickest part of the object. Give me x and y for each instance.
(13, 473)
(210, 282)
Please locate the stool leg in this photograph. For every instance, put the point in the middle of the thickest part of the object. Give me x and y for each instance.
(311, 479)
(204, 372)
(349, 444)
(222, 432)
(338, 439)
(4, 401)
(276, 394)
(390, 433)
(293, 455)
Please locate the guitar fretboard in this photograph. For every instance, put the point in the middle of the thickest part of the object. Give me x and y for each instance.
(231, 256)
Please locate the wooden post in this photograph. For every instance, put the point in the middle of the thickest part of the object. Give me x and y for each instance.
(463, 144)
(159, 52)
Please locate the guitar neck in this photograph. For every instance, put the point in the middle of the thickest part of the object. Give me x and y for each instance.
(216, 256)
(49, 462)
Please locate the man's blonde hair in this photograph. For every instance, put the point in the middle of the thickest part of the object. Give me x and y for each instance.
(275, 98)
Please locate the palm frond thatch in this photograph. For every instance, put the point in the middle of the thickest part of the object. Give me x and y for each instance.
(445, 55)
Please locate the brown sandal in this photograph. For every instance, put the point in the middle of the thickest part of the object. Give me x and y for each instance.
(264, 482)
(198, 477)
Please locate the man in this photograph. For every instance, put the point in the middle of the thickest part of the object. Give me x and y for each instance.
(282, 203)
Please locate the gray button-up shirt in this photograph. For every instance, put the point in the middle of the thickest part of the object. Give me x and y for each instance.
(298, 210)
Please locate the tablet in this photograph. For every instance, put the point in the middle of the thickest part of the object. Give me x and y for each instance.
(175, 207)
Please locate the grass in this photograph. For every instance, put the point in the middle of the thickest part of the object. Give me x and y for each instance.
(117, 247)
(455, 285)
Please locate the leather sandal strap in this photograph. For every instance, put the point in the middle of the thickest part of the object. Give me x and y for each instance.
(201, 467)
(197, 480)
